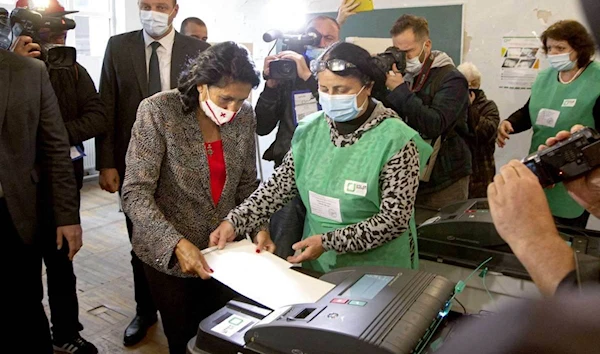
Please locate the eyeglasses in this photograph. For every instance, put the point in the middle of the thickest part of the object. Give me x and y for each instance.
(335, 65)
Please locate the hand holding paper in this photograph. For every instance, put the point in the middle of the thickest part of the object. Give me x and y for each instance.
(223, 234)
(191, 259)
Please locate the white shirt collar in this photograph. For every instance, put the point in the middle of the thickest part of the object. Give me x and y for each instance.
(166, 42)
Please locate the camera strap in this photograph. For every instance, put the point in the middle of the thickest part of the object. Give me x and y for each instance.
(423, 75)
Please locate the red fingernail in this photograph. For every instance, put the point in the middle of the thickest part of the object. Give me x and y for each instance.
(212, 271)
(257, 250)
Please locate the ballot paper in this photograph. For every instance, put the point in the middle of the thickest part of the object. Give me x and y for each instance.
(263, 277)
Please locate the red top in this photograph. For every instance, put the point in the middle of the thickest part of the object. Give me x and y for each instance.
(216, 164)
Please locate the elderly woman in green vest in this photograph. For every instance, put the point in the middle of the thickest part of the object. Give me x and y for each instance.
(566, 94)
(355, 165)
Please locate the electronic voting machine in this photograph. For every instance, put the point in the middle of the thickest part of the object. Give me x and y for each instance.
(371, 310)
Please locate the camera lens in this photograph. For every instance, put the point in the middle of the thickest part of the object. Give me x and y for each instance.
(287, 67)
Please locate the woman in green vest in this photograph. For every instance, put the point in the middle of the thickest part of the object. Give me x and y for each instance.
(563, 95)
(355, 165)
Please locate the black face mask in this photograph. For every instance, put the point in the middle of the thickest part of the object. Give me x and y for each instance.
(475, 91)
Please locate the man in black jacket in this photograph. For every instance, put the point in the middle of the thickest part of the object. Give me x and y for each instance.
(137, 65)
(433, 98)
(33, 144)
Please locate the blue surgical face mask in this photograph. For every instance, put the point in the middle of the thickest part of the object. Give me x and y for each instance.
(561, 62)
(313, 53)
(341, 108)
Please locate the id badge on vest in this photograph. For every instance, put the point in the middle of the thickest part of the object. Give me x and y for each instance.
(547, 117)
(304, 104)
(325, 207)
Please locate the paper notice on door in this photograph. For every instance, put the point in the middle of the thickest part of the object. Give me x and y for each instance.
(264, 277)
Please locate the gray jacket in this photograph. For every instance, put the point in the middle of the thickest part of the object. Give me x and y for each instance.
(167, 192)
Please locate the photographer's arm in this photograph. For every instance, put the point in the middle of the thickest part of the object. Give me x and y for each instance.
(92, 120)
(268, 111)
(433, 120)
(24, 46)
(522, 217)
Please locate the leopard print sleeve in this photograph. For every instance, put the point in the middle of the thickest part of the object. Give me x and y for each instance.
(269, 198)
(399, 181)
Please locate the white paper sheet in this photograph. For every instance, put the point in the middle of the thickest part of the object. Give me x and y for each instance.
(264, 277)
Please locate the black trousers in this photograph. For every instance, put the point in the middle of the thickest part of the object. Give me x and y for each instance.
(143, 298)
(183, 303)
(62, 283)
(62, 291)
(26, 328)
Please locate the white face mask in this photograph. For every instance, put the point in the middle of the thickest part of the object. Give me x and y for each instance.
(217, 114)
(561, 62)
(414, 65)
(155, 23)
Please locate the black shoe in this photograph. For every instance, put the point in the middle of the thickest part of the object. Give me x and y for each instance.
(136, 331)
(75, 345)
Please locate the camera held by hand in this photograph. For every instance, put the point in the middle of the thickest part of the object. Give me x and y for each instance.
(285, 69)
(566, 160)
(385, 61)
(26, 22)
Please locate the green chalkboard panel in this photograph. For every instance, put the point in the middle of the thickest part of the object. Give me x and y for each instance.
(445, 25)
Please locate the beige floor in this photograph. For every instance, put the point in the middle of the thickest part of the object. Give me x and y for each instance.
(104, 277)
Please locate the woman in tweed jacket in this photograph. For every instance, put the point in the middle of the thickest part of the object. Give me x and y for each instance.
(191, 159)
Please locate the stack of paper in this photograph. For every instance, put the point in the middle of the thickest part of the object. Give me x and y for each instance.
(263, 277)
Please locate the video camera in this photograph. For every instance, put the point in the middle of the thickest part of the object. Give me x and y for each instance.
(25, 22)
(566, 160)
(386, 60)
(285, 69)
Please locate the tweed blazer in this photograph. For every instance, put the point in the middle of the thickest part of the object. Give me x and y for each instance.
(167, 192)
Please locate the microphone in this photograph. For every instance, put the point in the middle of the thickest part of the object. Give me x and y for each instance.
(272, 35)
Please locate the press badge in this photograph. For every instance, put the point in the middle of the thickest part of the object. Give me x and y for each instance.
(304, 104)
(77, 153)
(325, 207)
(547, 117)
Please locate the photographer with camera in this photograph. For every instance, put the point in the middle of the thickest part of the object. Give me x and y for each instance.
(84, 118)
(275, 108)
(433, 97)
(34, 147)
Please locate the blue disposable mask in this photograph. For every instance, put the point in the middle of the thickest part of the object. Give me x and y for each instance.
(313, 53)
(561, 62)
(341, 108)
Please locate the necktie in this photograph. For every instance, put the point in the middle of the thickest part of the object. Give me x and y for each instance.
(154, 84)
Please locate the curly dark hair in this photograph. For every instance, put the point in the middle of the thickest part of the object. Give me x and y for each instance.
(218, 66)
(576, 35)
(366, 70)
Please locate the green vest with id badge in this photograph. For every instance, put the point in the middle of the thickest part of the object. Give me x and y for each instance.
(340, 187)
(554, 107)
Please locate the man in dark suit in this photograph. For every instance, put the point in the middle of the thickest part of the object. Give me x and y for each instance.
(137, 65)
(34, 145)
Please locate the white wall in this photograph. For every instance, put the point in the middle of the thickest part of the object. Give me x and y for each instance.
(486, 21)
